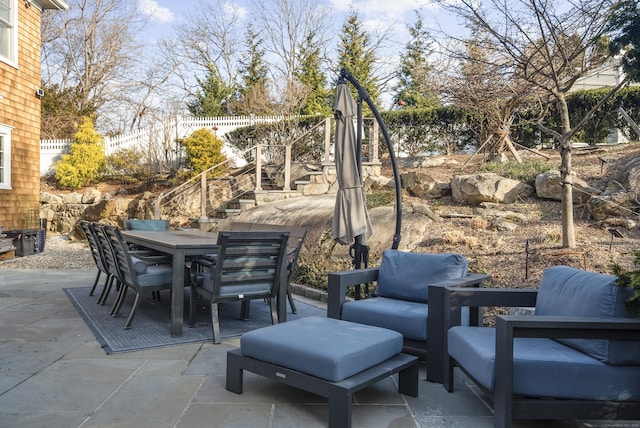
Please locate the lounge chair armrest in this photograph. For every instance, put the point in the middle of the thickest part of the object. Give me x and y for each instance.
(339, 282)
(457, 297)
(471, 280)
(551, 326)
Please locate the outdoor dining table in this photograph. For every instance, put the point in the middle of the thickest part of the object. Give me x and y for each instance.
(180, 244)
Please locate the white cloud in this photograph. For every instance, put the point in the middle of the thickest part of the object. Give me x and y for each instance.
(155, 11)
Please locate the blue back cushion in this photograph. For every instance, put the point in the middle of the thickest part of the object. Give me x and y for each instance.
(567, 291)
(151, 225)
(407, 276)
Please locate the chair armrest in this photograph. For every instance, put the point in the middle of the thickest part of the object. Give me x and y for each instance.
(438, 319)
(555, 327)
(454, 298)
(337, 287)
(510, 326)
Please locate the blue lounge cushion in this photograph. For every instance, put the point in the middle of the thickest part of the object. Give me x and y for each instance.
(326, 348)
(406, 276)
(403, 316)
(567, 291)
(544, 367)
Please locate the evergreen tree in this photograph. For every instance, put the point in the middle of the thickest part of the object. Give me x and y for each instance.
(415, 88)
(356, 54)
(213, 97)
(62, 111)
(85, 161)
(624, 26)
(253, 96)
(318, 99)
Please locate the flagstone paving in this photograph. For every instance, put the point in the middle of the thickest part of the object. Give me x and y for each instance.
(53, 373)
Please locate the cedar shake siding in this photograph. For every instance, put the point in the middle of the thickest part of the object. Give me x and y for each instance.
(20, 113)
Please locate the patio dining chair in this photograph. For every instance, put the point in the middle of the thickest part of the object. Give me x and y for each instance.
(109, 261)
(134, 274)
(96, 253)
(247, 266)
(297, 236)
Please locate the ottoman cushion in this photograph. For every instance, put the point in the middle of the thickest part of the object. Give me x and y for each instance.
(322, 347)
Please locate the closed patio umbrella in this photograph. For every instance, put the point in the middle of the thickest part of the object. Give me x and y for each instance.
(350, 219)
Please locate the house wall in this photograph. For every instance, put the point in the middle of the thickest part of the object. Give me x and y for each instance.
(20, 109)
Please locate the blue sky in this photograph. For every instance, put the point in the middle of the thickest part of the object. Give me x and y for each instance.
(396, 14)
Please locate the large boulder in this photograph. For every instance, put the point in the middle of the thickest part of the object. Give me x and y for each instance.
(620, 200)
(423, 186)
(548, 186)
(488, 187)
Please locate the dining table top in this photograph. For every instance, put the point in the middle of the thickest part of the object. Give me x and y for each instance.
(184, 238)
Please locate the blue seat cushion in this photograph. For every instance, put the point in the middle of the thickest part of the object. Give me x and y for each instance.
(403, 316)
(406, 276)
(544, 367)
(567, 291)
(326, 348)
(156, 275)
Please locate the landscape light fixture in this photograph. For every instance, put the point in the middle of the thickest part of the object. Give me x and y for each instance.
(614, 233)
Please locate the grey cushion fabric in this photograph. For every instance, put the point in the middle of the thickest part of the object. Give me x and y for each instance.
(406, 276)
(544, 367)
(326, 348)
(138, 265)
(573, 292)
(157, 274)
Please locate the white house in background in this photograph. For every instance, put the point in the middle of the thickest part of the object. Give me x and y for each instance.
(608, 75)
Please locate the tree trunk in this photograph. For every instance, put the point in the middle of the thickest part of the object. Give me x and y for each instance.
(568, 229)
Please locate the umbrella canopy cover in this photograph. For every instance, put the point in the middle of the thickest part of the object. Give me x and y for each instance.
(351, 217)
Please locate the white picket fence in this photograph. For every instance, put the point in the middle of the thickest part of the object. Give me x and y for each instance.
(161, 134)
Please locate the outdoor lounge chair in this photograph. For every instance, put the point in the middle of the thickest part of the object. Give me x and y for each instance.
(578, 357)
(407, 299)
(247, 266)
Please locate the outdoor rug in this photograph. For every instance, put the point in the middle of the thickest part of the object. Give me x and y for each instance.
(151, 327)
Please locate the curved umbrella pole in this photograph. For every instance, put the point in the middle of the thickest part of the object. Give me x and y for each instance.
(364, 95)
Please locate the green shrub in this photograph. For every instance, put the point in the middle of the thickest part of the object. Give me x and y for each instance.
(204, 150)
(631, 279)
(128, 164)
(85, 161)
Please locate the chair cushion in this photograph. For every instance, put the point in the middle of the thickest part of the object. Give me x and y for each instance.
(151, 225)
(403, 316)
(544, 367)
(155, 275)
(406, 276)
(573, 292)
(138, 265)
(322, 347)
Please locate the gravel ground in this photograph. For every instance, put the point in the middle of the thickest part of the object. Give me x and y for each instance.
(59, 253)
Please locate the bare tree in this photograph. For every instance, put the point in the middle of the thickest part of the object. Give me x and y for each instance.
(549, 45)
(207, 40)
(484, 85)
(285, 25)
(92, 47)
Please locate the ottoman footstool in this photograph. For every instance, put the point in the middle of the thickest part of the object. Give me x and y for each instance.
(324, 356)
